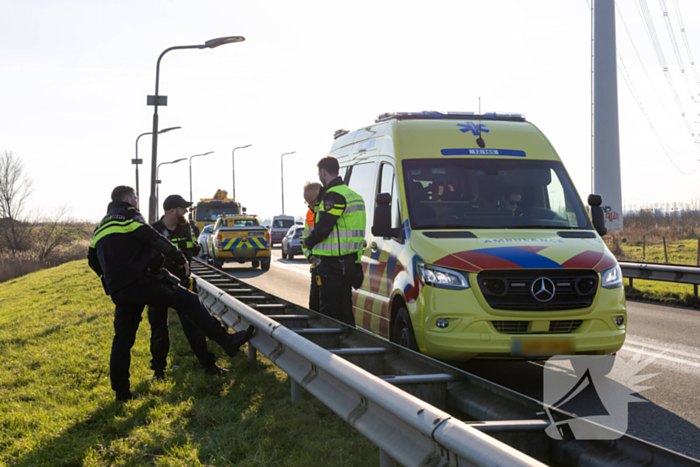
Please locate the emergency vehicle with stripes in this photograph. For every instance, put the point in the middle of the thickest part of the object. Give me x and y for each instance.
(478, 244)
(240, 239)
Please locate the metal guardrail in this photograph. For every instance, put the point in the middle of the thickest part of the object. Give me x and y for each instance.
(502, 413)
(662, 272)
(405, 428)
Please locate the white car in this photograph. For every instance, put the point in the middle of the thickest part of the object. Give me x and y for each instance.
(203, 240)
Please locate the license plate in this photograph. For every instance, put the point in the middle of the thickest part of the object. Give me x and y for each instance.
(542, 347)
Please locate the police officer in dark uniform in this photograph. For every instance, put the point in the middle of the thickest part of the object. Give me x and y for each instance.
(175, 228)
(127, 253)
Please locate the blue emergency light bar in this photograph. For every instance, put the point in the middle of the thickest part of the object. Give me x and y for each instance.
(433, 115)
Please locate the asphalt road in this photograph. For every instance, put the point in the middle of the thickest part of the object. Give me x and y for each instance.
(664, 341)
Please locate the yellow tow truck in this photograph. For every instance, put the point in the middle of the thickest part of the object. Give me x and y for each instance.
(208, 210)
(239, 238)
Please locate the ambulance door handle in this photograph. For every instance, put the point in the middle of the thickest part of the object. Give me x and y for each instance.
(373, 246)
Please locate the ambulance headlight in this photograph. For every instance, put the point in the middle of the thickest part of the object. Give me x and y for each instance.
(441, 277)
(612, 278)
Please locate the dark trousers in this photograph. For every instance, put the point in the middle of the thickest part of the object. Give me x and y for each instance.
(337, 274)
(314, 295)
(130, 302)
(160, 338)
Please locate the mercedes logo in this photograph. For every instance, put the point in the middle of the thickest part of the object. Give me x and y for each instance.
(543, 289)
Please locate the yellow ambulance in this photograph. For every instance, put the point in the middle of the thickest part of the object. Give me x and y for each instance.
(477, 243)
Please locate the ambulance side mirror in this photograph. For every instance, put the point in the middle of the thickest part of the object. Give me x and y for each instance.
(382, 217)
(597, 215)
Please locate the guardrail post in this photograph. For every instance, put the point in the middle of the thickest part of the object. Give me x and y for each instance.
(631, 279)
(296, 392)
(252, 354)
(385, 460)
(695, 290)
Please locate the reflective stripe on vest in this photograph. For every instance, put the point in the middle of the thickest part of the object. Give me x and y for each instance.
(348, 234)
(114, 227)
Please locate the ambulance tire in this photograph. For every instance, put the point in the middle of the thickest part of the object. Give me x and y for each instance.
(256, 264)
(402, 332)
(265, 265)
(290, 255)
(284, 255)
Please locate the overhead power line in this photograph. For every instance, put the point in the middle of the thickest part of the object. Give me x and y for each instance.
(685, 40)
(641, 62)
(674, 44)
(656, 45)
(664, 147)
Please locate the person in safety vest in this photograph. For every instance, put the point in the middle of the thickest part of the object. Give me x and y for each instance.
(175, 228)
(127, 254)
(337, 239)
(313, 192)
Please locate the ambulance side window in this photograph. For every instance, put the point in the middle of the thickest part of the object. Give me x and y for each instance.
(387, 184)
(363, 182)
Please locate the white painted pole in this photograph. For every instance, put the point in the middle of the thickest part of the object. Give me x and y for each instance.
(606, 132)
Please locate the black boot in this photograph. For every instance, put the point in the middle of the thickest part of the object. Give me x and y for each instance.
(236, 341)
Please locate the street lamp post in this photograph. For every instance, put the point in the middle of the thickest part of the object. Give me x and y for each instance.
(282, 175)
(196, 155)
(157, 100)
(138, 161)
(233, 167)
(158, 179)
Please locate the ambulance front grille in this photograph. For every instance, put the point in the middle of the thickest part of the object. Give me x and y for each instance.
(513, 289)
(521, 327)
(511, 327)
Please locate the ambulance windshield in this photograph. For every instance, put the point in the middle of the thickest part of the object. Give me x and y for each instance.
(491, 194)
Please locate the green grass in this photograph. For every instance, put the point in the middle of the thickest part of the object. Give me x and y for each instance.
(680, 252)
(57, 408)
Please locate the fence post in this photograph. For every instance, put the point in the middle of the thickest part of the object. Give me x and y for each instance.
(644, 247)
(665, 252)
(252, 354)
(698, 260)
(296, 392)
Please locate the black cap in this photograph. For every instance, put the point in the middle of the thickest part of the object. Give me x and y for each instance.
(175, 201)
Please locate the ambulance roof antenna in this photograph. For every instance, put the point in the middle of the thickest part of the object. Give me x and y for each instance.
(480, 141)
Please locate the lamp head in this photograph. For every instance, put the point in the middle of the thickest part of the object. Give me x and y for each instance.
(212, 43)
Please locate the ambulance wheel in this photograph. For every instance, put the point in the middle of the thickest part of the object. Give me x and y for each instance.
(265, 265)
(402, 332)
(290, 255)
(284, 255)
(256, 264)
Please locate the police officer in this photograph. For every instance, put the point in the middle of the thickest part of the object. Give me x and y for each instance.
(313, 192)
(126, 254)
(175, 228)
(337, 239)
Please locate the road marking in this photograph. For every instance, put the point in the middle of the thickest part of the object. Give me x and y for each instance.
(664, 349)
(662, 356)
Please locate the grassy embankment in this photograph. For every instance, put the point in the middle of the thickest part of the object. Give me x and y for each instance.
(643, 241)
(57, 409)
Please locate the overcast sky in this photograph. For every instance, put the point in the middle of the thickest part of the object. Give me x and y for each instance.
(75, 75)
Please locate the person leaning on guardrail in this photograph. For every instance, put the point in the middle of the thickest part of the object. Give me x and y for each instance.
(175, 228)
(313, 192)
(127, 254)
(337, 238)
